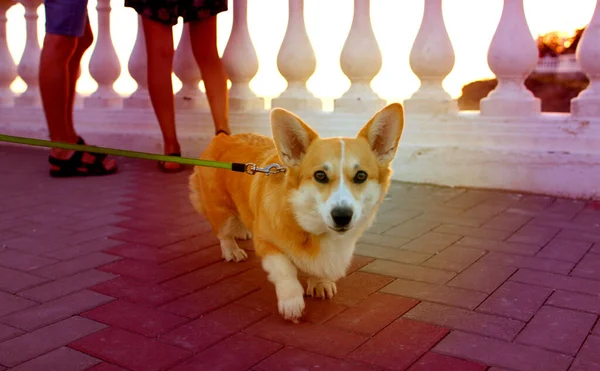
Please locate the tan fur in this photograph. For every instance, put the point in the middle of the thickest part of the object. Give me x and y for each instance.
(235, 202)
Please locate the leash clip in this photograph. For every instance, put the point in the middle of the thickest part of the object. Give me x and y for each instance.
(271, 169)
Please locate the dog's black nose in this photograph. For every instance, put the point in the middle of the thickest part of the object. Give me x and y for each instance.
(341, 216)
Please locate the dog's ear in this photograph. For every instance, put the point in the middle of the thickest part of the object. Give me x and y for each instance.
(383, 132)
(292, 136)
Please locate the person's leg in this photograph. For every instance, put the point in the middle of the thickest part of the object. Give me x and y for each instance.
(83, 44)
(203, 34)
(160, 51)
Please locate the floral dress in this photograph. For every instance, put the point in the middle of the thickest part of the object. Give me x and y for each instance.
(168, 11)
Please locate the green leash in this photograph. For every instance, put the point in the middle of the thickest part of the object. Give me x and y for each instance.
(248, 168)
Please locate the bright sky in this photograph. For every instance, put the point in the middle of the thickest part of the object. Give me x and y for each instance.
(470, 24)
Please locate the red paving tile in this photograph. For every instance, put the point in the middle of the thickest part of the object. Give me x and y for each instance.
(14, 281)
(566, 250)
(393, 352)
(106, 367)
(196, 260)
(438, 362)
(357, 286)
(76, 265)
(141, 270)
(292, 359)
(588, 358)
(515, 300)
(454, 258)
(117, 346)
(141, 252)
(61, 359)
(435, 293)
(22, 261)
(7, 332)
(66, 285)
(409, 272)
(588, 267)
(484, 277)
(137, 292)
(11, 303)
(571, 300)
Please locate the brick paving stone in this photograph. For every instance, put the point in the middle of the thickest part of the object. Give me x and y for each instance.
(534, 235)
(76, 265)
(557, 282)
(494, 352)
(515, 300)
(588, 267)
(14, 281)
(595, 249)
(142, 252)
(373, 313)
(356, 263)
(406, 271)
(468, 199)
(357, 286)
(239, 352)
(61, 359)
(194, 244)
(22, 261)
(135, 318)
(81, 249)
(12, 303)
(141, 270)
(571, 300)
(466, 320)
(385, 241)
(196, 260)
(117, 346)
(507, 247)
(412, 228)
(137, 292)
(588, 358)
(451, 219)
(8, 332)
(397, 216)
(209, 299)
(438, 362)
(435, 293)
(454, 258)
(492, 234)
(557, 329)
(481, 276)
(106, 367)
(387, 349)
(431, 242)
(33, 344)
(507, 222)
(316, 338)
(55, 310)
(155, 239)
(212, 274)
(94, 234)
(66, 285)
(386, 253)
(580, 235)
(529, 262)
(297, 359)
(567, 250)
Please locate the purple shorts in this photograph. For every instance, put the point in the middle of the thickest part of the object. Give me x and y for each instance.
(66, 17)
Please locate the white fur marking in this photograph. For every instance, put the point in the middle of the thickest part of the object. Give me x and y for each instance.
(283, 274)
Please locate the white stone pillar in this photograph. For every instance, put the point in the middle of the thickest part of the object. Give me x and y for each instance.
(296, 62)
(587, 103)
(104, 64)
(241, 62)
(138, 69)
(29, 65)
(186, 69)
(360, 61)
(432, 59)
(8, 69)
(512, 56)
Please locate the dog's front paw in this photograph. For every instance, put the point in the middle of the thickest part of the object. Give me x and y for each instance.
(291, 309)
(320, 288)
(237, 255)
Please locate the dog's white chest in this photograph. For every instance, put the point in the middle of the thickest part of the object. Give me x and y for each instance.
(333, 259)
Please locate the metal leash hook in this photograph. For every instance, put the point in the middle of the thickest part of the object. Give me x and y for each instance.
(271, 169)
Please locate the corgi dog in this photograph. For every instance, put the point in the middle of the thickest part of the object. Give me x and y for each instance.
(307, 218)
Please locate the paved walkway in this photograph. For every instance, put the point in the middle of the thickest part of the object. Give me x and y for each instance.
(119, 273)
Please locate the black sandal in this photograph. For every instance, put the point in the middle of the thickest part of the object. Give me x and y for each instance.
(73, 166)
(161, 164)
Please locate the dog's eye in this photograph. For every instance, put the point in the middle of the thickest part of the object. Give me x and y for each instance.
(360, 177)
(321, 177)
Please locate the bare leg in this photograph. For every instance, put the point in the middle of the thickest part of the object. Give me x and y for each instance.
(203, 34)
(160, 50)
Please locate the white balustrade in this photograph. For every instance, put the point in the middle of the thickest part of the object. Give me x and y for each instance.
(186, 69)
(587, 103)
(512, 56)
(8, 69)
(432, 59)
(138, 69)
(104, 64)
(29, 65)
(360, 61)
(241, 62)
(296, 62)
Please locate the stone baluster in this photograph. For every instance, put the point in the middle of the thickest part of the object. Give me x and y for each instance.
(512, 56)
(186, 69)
(104, 64)
(296, 62)
(138, 69)
(587, 103)
(241, 62)
(431, 59)
(8, 69)
(360, 61)
(29, 65)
